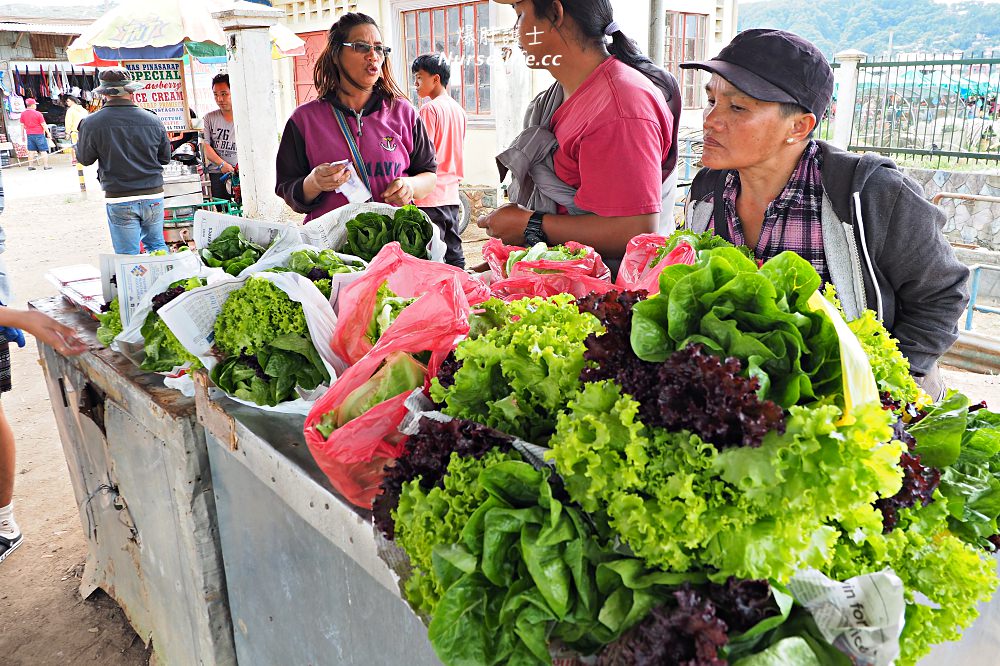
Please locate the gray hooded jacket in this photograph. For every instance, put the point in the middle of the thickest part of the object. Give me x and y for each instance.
(884, 249)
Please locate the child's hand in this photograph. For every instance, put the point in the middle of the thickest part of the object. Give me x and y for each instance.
(60, 337)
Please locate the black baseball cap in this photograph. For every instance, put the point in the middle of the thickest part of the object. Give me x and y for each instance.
(774, 66)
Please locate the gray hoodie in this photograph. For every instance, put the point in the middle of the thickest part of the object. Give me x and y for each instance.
(878, 229)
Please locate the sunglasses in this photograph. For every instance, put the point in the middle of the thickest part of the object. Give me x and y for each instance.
(365, 47)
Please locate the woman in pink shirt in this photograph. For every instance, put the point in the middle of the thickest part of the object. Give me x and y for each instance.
(612, 115)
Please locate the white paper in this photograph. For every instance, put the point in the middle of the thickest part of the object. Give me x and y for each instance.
(862, 616)
(136, 274)
(130, 341)
(330, 230)
(208, 225)
(278, 256)
(354, 188)
(191, 317)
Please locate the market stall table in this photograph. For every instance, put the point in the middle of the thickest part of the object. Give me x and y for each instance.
(306, 583)
(139, 468)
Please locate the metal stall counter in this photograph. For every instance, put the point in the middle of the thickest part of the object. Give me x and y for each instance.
(305, 579)
(140, 472)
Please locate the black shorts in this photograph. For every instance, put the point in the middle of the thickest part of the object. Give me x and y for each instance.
(5, 384)
(446, 219)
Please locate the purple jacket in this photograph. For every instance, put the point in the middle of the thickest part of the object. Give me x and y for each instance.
(393, 143)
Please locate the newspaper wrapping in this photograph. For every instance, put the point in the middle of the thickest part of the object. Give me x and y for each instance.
(191, 317)
(862, 616)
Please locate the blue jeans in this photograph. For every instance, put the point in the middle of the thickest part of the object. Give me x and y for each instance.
(38, 143)
(133, 221)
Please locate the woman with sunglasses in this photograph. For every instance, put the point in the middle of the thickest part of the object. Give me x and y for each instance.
(595, 161)
(361, 117)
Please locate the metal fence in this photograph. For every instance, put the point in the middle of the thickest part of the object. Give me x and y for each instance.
(937, 110)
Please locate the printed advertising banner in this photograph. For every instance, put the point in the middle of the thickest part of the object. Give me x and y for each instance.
(164, 93)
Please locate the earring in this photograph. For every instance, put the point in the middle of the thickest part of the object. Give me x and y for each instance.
(789, 140)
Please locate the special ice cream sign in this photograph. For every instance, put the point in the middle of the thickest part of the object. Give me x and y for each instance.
(163, 92)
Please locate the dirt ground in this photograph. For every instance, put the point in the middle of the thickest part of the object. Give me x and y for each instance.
(43, 621)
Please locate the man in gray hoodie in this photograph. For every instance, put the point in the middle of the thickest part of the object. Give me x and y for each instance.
(863, 225)
(130, 145)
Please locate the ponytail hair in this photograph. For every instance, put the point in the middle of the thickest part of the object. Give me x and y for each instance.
(326, 73)
(593, 18)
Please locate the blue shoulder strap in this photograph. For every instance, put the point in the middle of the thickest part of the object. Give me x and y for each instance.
(359, 164)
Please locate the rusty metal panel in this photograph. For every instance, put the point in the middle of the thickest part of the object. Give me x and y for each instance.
(139, 468)
(306, 585)
(974, 352)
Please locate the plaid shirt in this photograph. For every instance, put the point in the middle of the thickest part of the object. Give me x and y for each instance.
(792, 221)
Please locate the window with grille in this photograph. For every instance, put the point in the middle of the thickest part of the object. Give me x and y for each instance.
(459, 32)
(685, 40)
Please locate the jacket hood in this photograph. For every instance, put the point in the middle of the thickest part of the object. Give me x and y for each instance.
(837, 165)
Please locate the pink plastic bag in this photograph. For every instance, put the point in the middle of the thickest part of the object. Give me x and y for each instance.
(549, 284)
(637, 271)
(408, 277)
(355, 455)
(496, 254)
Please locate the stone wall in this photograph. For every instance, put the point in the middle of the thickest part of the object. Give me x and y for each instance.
(478, 200)
(975, 223)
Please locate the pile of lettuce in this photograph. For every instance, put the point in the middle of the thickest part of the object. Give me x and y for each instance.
(163, 351)
(109, 322)
(759, 316)
(518, 376)
(369, 232)
(501, 564)
(542, 252)
(704, 451)
(263, 339)
(644, 447)
(319, 266)
(388, 306)
(231, 251)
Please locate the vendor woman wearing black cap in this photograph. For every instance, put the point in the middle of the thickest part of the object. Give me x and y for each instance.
(861, 223)
(594, 162)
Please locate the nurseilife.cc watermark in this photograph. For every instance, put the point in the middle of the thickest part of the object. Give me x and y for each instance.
(499, 53)
(499, 59)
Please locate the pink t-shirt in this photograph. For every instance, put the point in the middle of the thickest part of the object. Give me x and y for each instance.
(444, 119)
(614, 134)
(33, 122)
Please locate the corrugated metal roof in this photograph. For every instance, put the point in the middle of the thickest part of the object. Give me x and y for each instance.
(44, 28)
